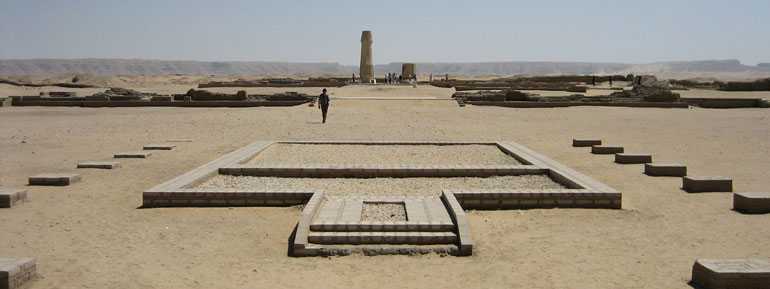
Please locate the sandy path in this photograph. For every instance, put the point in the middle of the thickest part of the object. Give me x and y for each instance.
(91, 234)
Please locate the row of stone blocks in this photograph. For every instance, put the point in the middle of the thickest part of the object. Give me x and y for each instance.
(752, 203)
(381, 226)
(532, 199)
(15, 272)
(10, 198)
(359, 171)
(357, 238)
(224, 198)
(731, 274)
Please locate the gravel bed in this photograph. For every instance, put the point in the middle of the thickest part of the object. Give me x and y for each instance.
(385, 212)
(381, 186)
(384, 154)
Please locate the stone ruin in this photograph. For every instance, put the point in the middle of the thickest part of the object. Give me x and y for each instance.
(367, 64)
(120, 94)
(408, 70)
(203, 95)
(647, 88)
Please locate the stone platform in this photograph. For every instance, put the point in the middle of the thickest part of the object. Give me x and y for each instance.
(731, 274)
(707, 184)
(606, 150)
(624, 158)
(159, 147)
(15, 272)
(331, 225)
(133, 155)
(10, 198)
(586, 142)
(54, 179)
(752, 203)
(665, 169)
(98, 165)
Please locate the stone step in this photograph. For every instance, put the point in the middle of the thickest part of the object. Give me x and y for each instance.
(133, 155)
(665, 169)
(731, 273)
(53, 179)
(625, 158)
(159, 147)
(10, 198)
(396, 226)
(382, 237)
(381, 249)
(753, 203)
(15, 272)
(585, 142)
(606, 150)
(98, 165)
(707, 184)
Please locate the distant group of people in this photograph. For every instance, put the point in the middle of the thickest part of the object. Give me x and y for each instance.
(393, 78)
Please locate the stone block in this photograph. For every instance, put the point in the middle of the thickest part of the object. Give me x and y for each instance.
(606, 150)
(731, 273)
(10, 198)
(133, 155)
(633, 158)
(15, 272)
(98, 165)
(707, 184)
(159, 147)
(161, 98)
(53, 179)
(665, 169)
(180, 140)
(754, 203)
(586, 142)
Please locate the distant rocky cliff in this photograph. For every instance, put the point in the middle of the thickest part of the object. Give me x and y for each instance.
(48, 67)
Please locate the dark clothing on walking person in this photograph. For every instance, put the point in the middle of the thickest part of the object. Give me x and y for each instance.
(323, 104)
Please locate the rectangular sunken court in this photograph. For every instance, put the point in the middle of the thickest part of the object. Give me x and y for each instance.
(384, 197)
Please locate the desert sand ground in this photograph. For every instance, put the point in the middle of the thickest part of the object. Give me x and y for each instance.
(92, 234)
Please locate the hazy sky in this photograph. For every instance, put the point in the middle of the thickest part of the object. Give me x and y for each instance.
(413, 31)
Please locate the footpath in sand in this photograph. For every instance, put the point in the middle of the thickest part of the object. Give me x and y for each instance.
(93, 234)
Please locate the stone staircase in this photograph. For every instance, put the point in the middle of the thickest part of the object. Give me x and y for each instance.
(340, 227)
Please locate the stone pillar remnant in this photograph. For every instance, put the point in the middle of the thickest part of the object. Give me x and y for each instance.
(408, 70)
(367, 65)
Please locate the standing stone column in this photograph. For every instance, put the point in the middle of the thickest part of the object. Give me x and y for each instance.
(408, 70)
(367, 65)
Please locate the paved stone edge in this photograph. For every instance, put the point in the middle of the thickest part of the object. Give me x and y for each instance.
(211, 168)
(300, 247)
(456, 212)
(559, 172)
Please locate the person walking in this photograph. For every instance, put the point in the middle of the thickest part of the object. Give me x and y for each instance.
(323, 103)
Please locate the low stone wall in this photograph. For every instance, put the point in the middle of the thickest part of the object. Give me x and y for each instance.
(726, 102)
(157, 103)
(537, 199)
(224, 198)
(538, 104)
